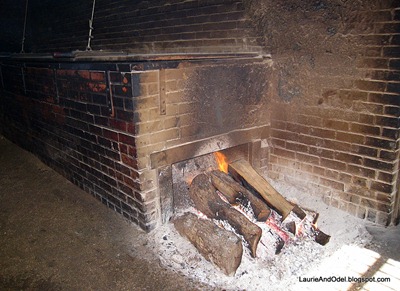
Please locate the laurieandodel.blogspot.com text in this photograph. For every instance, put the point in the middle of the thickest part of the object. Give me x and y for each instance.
(340, 279)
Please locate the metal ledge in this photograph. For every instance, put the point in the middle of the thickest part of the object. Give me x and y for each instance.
(102, 56)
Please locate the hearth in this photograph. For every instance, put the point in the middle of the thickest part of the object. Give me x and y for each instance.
(221, 215)
(221, 106)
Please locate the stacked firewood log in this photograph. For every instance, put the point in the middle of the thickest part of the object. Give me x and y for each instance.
(216, 195)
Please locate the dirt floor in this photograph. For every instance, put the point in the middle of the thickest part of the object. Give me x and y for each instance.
(54, 236)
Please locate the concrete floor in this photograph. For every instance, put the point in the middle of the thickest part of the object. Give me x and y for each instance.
(54, 236)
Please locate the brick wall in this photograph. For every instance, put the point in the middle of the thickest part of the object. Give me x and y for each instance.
(335, 114)
(62, 114)
(134, 26)
(192, 110)
(325, 112)
(111, 128)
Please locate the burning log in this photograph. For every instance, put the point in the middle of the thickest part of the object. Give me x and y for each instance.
(250, 231)
(204, 196)
(243, 171)
(206, 200)
(218, 246)
(234, 193)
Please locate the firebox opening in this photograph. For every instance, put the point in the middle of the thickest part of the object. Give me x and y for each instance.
(183, 172)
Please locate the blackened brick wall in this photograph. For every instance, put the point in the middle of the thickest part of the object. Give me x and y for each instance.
(111, 128)
(335, 112)
(134, 26)
(333, 98)
(62, 113)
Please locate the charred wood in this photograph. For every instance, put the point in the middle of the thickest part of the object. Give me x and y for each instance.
(321, 237)
(206, 200)
(244, 172)
(250, 231)
(291, 227)
(218, 246)
(236, 193)
(299, 212)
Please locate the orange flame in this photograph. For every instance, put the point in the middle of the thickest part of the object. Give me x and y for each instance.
(222, 161)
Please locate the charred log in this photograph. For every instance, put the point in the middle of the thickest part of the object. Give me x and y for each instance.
(291, 227)
(321, 237)
(236, 193)
(299, 212)
(218, 246)
(250, 231)
(243, 171)
(206, 200)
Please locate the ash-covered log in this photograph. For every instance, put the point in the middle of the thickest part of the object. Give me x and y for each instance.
(206, 200)
(244, 172)
(219, 246)
(236, 193)
(250, 231)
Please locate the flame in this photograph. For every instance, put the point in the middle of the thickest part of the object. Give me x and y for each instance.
(222, 161)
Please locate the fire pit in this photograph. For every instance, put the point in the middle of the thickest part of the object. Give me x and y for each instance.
(272, 266)
(225, 212)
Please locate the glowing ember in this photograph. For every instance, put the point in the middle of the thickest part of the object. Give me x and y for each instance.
(272, 223)
(222, 162)
(200, 214)
(222, 197)
(300, 230)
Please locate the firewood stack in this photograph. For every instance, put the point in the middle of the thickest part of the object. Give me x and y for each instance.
(241, 198)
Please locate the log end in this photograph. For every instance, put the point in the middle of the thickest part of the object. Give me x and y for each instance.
(263, 215)
(253, 241)
(299, 212)
(321, 237)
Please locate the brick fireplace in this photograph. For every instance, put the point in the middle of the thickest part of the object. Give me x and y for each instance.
(319, 111)
(115, 129)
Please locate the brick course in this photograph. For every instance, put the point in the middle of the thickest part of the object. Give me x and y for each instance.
(325, 111)
(347, 137)
(135, 26)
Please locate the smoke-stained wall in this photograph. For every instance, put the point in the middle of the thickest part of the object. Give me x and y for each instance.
(335, 117)
(167, 26)
(333, 90)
